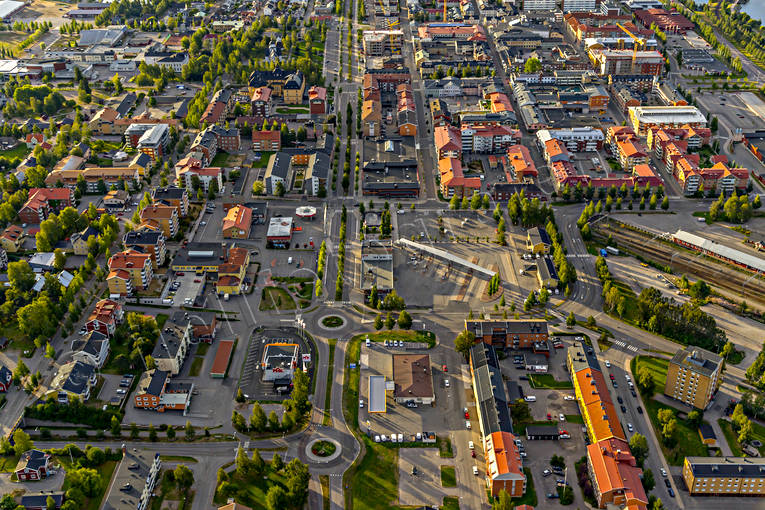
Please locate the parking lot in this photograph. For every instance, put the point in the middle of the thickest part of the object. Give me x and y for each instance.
(424, 487)
(111, 387)
(184, 288)
(251, 383)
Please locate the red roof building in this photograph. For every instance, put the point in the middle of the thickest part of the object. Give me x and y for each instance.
(105, 317)
(448, 141)
(504, 470)
(317, 100)
(42, 201)
(453, 181)
(266, 141)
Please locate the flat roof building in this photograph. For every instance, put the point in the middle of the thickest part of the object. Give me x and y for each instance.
(509, 333)
(693, 376)
(279, 232)
(280, 360)
(134, 481)
(413, 378)
(377, 402)
(724, 476)
(643, 118)
(376, 267)
(489, 390)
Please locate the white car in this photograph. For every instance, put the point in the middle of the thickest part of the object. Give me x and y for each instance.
(361, 403)
(475, 470)
(471, 445)
(401, 438)
(530, 398)
(561, 417)
(384, 438)
(446, 383)
(467, 425)
(377, 439)
(663, 472)
(569, 397)
(627, 376)
(629, 427)
(608, 364)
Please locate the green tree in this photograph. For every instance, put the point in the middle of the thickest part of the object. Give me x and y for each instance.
(170, 433)
(183, 476)
(404, 320)
(21, 442)
(50, 352)
(503, 502)
(571, 320)
(463, 342)
(378, 322)
(116, 428)
(258, 418)
(532, 65)
(190, 433)
(276, 498)
(639, 448)
(648, 481)
(645, 382)
(273, 421)
(277, 464)
(238, 422)
(152, 432)
(746, 432)
(389, 321)
(665, 203)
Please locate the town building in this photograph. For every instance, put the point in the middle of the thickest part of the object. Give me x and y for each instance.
(644, 118)
(260, 102)
(170, 350)
(280, 360)
(39, 500)
(12, 238)
(237, 223)
(6, 377)
(92, 349)
(162, 217)
(317, 100)
(156, 392)
(147, 240)
(79, 240)
(231, 274)
(538, 240)
(504, 470)
(693, 376)
(172, 196)
(453, 180)
(724, 476)
(154, 142)
(41, 202)
(489, 391)
(74, 380)
(413, 379)
(268, 140)
(616, 477)
(189, 167)
(509, 333)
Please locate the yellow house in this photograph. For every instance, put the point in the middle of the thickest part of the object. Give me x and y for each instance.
(163, 217)
(231, 274)
(80, 240)
(129, 270)
(12, 238)
(294, 87)
(537, 240)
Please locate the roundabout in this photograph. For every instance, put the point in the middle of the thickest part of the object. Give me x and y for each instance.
(332, 322)
(323, 450)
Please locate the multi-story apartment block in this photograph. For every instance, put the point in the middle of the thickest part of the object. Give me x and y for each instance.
(154, 142)
(162, 217)
(513, 334)
(172, 196)
(693, 376)
(147, 240)
(260, 102)
(129, 270)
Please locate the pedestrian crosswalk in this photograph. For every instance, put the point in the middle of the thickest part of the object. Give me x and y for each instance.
(624, 345)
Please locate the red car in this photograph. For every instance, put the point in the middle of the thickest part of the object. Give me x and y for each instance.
(467, 416)
(444, 368)
(197, 281)
(180, 274)
(472, 453)
(549, 416)
(612, 377)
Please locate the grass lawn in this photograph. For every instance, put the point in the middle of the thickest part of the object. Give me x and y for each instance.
(735, 358)
(202, 348)
(448, 476)
(328, 394)
(400, 335)
(20, 151)
(196, 366)
(276, 298)
(450, 503)
(657, 367)
(161, 319)
(730, 437)
(7, 464)
(292, 109)
(263, 161)
(530, 497)
(252, 491)
(324, 491)
(105, 470)
(17, 339)
(574, 418)
(220, 159)
(445, 447)
(549, 382)
(332, 321)
(631, 310)
(687, 440)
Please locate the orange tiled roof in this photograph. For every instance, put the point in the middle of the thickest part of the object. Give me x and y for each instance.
(502, 457)
(616, 470)
(239, 217)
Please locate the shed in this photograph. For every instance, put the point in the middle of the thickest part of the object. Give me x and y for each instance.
(542, 432)
(707, 433)
(222, 359)
(377, 402)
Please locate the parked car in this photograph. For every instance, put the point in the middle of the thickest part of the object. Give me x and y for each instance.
(561, 417)
(624, 409)
(640, 410)
(546, 472)
(472, 453)
(608, 364)
(620, 399)
(471, 445)
(630, 427)
(667, 483)
(671, 492)
(663, 472)
(475, 470)
(552, 495)
(467, 425)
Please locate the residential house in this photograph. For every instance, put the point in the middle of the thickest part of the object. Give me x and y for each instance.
(219, 107)
(212, 139)
(79, 240)
(12, 238)
(92, 349)
(164, 217)
(34, 139)
(520, 164)
(371, 118)
(97, 179)
(105, 317)
(34, 465)
(142, 162)
(237, 223)
(538, 240)
(39, 500)
(317, 173)
(615, 475)
(102, 122)
(453, 180)
(6, 376)
(170, 350)
(260, 103)
(43, 201)
(317, 100)
(231, 274)
(203, 324)
(147, 240)
(504, 470)
(129, 270)
(448, 140)
(269, 140)
(188, 167)
(74, 379)
(116, 199)
(156, 392)
(277, 171)
(172, 196)
(293, 88)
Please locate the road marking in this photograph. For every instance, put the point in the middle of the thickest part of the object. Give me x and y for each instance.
(633, 348)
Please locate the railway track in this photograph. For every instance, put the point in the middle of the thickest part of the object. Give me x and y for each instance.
(748, 286)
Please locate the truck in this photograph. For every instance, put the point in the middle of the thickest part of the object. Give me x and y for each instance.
(612, 250)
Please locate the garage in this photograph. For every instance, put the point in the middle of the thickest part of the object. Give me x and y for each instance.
(542, 432)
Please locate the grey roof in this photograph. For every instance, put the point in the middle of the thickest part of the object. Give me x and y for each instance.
(175, 57)
(326, 143)
(546, 269)
(489, 390)
(580, 359)
(733, 467)
(107, 36)
(258, 208)
(91, 343)
(126, 104)
(152, 382)
(698, 360)
(294, 81)
(542, 430)
(142, 237)
(173, 192)
(133, 475)
(77, 381)
(42, 260)
(5, 374)
(481, 327)
(196, 254)
(195, 319)
(707, 432)
(142, 159)
(154, 135)
(539, 235)
(318, 166)
(85, 234)
(721, 250)
(34, 459)
(170, 339)
(281, 165)
(39, 499)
